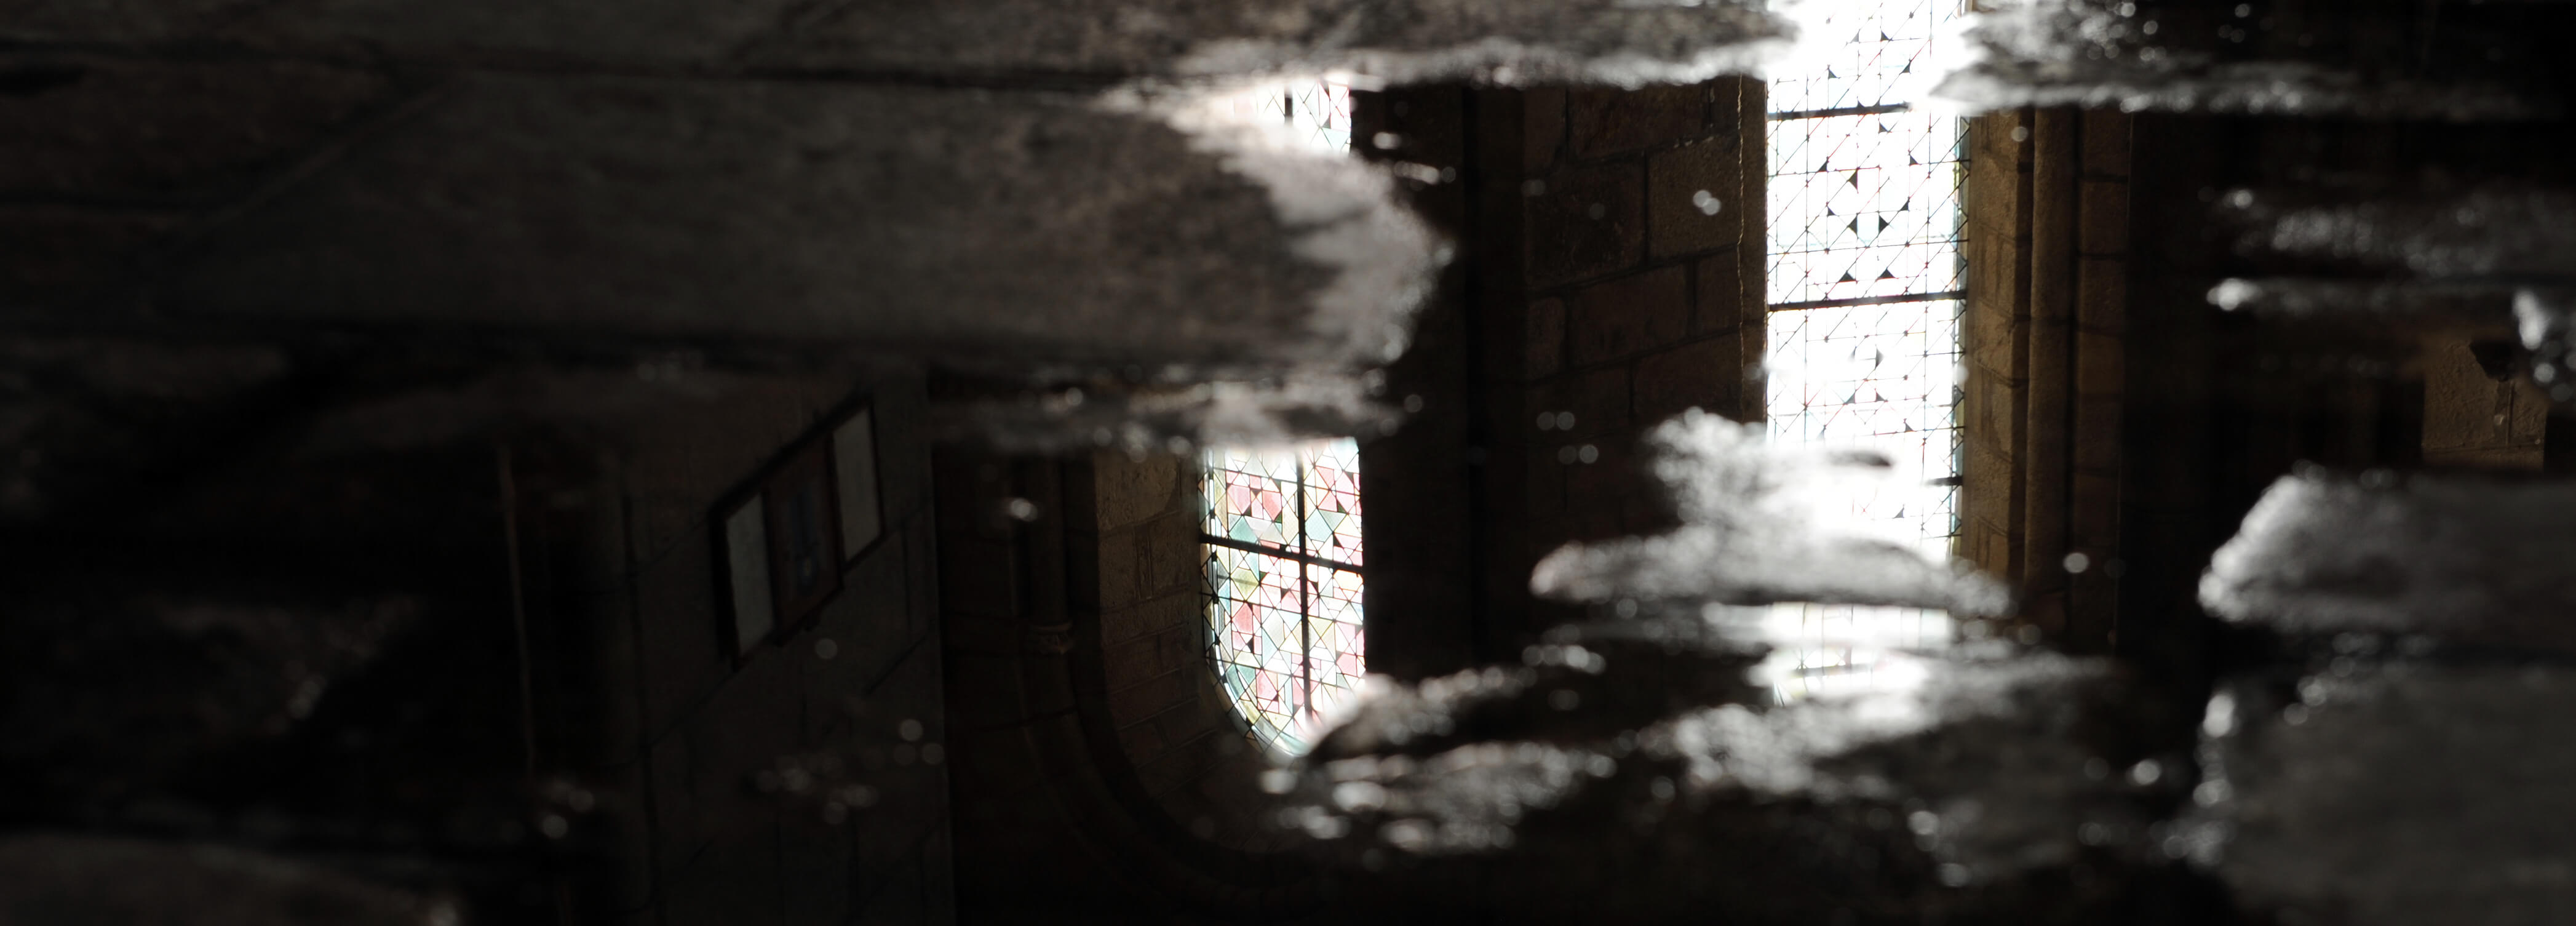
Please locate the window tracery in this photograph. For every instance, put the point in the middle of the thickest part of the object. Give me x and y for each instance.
(1867, 287)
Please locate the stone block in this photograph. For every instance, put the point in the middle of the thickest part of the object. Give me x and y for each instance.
(1176, 769)
(1543, 126)
(901, 418)
(1546, 341)
(2472, 420)
(2001, 200)
(2097, 441)
(921, 576)
(1587, 222)
(814, 862)
(2102, 294)
(1647, 511)
(2093, 517)
(2103, 222)
(1144, 658)
(674, 811)
(1692, 193)
(172, 130)
(967, 633)
(1993, 339)
(1630, 315)
(1194, 723)
(1170, 557)
(1427, 121)
(1989, 547)
(1702, 374)
(1992, 139)
(1546, 485)
(2100, 365)
(1611, 474)
(1598, 400)
(1152, 616)
(1094, 563)
(1720, 296)
(2106, 143)
(911, 799)
(939, 872)
(2498, 458)
(1590, 521)
(48, 249)
(1143, 699)
(983, 690)
(730, 880)
(683, 650)
(1129, 491)
(1987, 485)
(1141, 741)
(915, 689)
(974, 578)
(992, 762)
(866, 621)
(1612, 121)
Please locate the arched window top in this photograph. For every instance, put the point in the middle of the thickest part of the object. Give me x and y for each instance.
(1283, 555)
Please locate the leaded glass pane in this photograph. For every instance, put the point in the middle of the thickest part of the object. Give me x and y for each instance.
(1886, 378)
(1321, 111)
(1861, 53)
(1282, 532)
(1864, 206)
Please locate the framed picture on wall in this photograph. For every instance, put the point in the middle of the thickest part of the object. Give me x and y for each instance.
(804, 539)
(744, 540)
(784, 540)
(854, 478)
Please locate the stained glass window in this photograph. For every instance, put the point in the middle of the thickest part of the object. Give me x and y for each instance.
(1867, 287)
(1317, 112)
(1283, 556)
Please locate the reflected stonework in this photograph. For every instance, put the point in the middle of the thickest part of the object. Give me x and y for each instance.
(387, 445)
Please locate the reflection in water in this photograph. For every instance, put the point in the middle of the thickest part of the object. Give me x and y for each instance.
(1795, 716)
(2225, 57)
(1763, 523)
(1281, 537)
(1830, 650)
(1866, 286)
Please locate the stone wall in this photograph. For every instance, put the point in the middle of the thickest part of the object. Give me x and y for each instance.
(803, 781)
(2047, 240)
(1100, 773)
(1594, 293)
(1092, 732)
(1192, 754)
(2474, 417)
(1643, 302)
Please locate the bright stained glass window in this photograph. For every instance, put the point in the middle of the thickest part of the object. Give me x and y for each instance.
(1867, 285)
(1282, 528)
(1283, 558)
(1317, 111)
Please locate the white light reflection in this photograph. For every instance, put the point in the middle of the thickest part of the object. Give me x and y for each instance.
(1307, 114)
(1865, 285)
(1830, 651)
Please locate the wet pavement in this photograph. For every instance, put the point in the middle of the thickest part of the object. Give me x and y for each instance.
(2377, 733)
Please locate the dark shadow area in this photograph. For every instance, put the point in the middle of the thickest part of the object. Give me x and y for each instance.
(691, 462)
